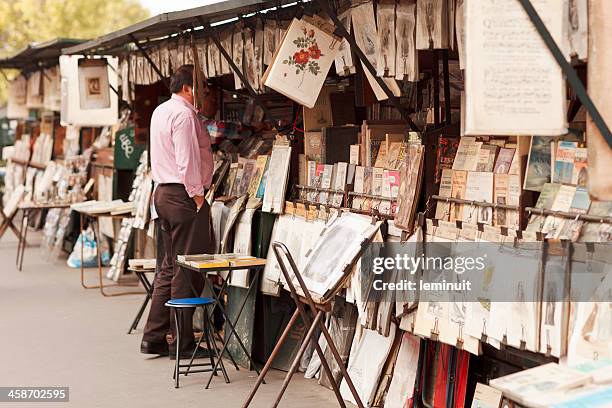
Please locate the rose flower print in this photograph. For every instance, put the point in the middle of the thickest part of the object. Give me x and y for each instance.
(306, 56)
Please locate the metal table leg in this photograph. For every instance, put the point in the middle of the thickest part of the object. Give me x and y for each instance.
(149, 289)
(231, 326)
(22, 240)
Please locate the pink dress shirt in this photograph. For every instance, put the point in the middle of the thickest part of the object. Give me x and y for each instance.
(180, 147)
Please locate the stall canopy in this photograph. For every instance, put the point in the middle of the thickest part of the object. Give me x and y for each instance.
(167, 24)
(39, 54)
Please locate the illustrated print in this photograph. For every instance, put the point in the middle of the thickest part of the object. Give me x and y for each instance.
(93, 86)
(305, 58)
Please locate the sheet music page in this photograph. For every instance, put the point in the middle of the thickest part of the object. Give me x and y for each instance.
(514, 86)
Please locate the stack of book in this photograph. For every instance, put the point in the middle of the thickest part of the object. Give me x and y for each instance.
(210, 261)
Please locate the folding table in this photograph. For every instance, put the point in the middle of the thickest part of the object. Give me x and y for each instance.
(7, 222)
(254, 283)
(27, 208)
(94, 219)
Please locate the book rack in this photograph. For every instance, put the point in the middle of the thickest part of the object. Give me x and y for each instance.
(475, 203)
(574, 216)
(331, 192)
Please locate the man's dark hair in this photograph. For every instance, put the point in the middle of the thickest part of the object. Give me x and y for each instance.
(182, 76)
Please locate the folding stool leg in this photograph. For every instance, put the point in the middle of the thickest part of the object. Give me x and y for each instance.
(178, 316)
(195, 350)
(296, 361)
(277, 247)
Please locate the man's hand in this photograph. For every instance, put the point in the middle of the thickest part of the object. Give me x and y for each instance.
(199, 200)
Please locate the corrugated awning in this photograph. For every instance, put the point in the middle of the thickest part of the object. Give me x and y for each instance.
(167, 24)
(37, 54)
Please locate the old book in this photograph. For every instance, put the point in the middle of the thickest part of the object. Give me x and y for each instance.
(314, 146)
(410, 187)
(264, 180)
(354, 154)
(247, 175)
(303, 60)
(302, 170)
(504, 160)
(385, 39)
(500, 197)
(564, 162)
(326, 182)
(381, 156)
(459, 180)
(377, 179)
(339, 182)
(276, 183)
(445, 154)
(373, 134)
(580, 175)
(562, 202)
(432, 25)
(260, 166)
(393, 155)
(446, 188)
(581, 202)
(466, 157)
(359, 186)
(538, 164)
(406, 56)
(513, 219)
(479, 187)
(486, 157)
(513, 87)
(545, 201)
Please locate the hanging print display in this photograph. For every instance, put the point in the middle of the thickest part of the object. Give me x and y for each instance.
(303, 60)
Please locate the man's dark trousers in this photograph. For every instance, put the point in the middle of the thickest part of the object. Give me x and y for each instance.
(185, 231)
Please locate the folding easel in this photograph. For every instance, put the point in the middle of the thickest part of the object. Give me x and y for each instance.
(316, 309)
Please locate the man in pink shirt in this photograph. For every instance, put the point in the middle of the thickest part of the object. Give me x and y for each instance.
(182, 165)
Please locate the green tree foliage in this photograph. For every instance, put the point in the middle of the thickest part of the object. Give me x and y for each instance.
(25, 21)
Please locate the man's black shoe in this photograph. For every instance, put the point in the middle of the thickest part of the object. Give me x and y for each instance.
(148, 347)
(186, 354)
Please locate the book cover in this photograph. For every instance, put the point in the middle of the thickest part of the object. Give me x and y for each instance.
(359, 186)
(500, 197)
(466, 157)
(393, 155)
(238, 180)
(446, 188)
(486, 157)
(486, 397)
(314, 148)
(276, 182)
(260, 165)
(354, 154)
(514, 198)
(479, 187)
(326, 180)
(538, 163)
(377, 176)
(562, 202)
(381, 156)
(230, 180)
(247, 175)
(580, 205)
(545, 201)
(262, 185)
(445, 154)
(504, 160)
(459, 180)
(580, 171)
(339, 183)
(368, 182)
(564, 162)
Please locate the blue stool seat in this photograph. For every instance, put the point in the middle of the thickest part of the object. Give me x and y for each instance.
(190, 302)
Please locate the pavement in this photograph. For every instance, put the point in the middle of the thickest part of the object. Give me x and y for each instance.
(55, 333)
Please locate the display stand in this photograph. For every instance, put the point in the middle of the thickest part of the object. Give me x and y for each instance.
(319, 311)
(94, 219)
(27, 209)
(7, 222)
